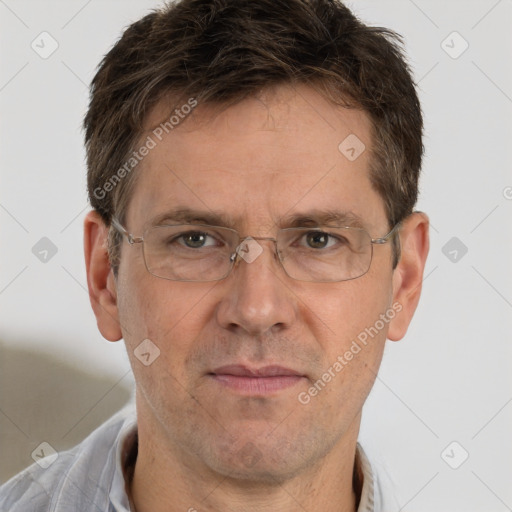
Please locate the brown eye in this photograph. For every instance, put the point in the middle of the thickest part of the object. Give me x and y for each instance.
(317, 239)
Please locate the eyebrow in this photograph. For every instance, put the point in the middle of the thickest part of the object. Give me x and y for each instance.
(323, 218)
(191, 216)
(315, 217)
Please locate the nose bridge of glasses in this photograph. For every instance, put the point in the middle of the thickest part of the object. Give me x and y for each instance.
(250, 251)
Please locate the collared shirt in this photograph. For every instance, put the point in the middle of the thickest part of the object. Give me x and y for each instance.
(91, 477)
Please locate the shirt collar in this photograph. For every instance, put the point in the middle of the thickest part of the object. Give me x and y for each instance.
(363, 469)
(125, 460)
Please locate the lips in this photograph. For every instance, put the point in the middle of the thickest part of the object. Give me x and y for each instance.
(256, 381)
(266, 371)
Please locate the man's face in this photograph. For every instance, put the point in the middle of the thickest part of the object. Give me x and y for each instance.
(255, 163)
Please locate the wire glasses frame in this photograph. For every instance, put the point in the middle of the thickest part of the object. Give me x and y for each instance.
(301, 271)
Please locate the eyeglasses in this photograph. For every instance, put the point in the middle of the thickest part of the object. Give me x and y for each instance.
(202, 253)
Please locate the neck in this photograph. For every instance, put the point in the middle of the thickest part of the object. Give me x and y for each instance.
(168, 480)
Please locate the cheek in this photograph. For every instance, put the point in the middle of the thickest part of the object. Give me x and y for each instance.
(350, 324)
(338, 314)
(169, 314)
(139, 310)
(350, 332)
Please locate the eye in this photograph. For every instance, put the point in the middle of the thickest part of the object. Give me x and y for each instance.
(196, 239)
(322, 240)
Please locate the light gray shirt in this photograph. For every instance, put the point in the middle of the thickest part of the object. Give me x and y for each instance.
(90, 476)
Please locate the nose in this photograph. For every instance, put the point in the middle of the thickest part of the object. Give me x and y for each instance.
(257, 297)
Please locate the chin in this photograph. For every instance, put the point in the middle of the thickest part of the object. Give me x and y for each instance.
(263, 462)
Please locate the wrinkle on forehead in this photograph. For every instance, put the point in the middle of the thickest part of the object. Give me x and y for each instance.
(261, 159)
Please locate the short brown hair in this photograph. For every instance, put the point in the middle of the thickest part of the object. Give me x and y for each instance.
(223, 51)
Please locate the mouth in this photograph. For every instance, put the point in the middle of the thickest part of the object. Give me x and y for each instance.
(256, 381)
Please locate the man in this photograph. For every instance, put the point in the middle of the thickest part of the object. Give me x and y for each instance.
(252, 168)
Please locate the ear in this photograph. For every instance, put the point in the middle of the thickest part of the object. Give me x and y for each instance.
(408, 275)
(100, 278)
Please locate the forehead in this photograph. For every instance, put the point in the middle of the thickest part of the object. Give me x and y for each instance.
(289, 151)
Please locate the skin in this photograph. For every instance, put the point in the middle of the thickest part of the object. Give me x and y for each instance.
(205, 447)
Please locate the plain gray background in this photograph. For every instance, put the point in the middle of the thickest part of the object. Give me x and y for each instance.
(448, 381)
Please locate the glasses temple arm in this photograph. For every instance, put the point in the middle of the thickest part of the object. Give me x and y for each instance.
(119, 227)
(387, 237)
